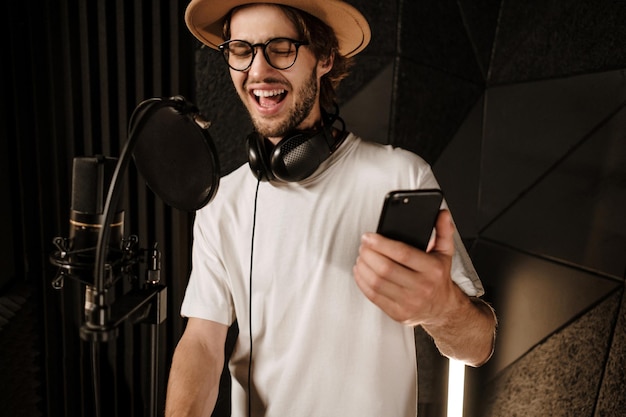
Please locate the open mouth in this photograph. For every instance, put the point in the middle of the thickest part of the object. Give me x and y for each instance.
(269, 98)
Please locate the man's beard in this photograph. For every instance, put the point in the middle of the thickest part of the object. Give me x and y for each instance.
(307, 98)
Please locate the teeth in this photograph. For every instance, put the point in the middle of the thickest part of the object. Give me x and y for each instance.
(267, 93)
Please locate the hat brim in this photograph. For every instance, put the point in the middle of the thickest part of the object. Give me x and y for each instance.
(204, 18)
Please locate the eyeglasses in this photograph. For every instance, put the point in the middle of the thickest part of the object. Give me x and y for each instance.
(280, 53)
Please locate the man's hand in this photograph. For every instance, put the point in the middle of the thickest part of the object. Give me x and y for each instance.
(415, 288)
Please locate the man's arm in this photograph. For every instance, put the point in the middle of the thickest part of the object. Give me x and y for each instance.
(415, 288)
(467, 334)
(196, 369)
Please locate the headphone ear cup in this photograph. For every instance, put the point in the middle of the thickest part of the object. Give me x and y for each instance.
(257, 157)
(297, 156)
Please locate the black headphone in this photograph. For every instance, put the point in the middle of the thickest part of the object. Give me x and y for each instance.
(297, 155)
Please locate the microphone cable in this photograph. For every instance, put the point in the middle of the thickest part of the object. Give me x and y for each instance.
(95, 368)
(256, 198)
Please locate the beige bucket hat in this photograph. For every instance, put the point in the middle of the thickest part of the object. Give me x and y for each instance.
(205, 18)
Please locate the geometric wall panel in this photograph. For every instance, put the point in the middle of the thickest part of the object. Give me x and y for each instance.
(434, 35)
(560, 377)
(554, 38)
(529, 127)
(458, 171)
(577, 211)
(534, 297)
(481, 21)
(367, 113)
(384, 26)
(434, 105)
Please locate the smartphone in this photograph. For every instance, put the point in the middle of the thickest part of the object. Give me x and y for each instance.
(410, 216)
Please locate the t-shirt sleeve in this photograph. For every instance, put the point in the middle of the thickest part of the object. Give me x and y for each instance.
(208, 294)
(463, 272)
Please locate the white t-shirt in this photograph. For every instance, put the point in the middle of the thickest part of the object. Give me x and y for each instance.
(320, 347)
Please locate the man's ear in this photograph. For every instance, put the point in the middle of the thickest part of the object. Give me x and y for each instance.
(325, 65)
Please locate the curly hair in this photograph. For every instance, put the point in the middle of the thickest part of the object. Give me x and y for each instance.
(322, 42)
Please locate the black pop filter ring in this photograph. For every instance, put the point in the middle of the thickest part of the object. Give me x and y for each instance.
(174, 154)
(174, 150)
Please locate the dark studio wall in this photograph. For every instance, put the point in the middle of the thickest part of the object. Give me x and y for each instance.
(73, 72)
(519, 106)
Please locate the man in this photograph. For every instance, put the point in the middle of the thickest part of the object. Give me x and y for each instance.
(325, 308)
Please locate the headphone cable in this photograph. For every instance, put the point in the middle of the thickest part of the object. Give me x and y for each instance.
(256, 196)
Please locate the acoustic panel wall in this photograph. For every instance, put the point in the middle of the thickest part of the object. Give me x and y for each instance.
(74, 72)
(545, 150)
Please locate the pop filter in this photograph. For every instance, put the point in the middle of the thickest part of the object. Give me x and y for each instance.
(174, 152)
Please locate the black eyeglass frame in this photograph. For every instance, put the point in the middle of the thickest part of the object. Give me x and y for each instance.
(223, 47)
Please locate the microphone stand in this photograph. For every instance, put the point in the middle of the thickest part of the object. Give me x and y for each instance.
(146, 303)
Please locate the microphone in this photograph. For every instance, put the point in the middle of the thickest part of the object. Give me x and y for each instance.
(91, 177)
(75, 256)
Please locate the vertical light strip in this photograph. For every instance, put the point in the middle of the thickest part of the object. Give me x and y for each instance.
(456, 388)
